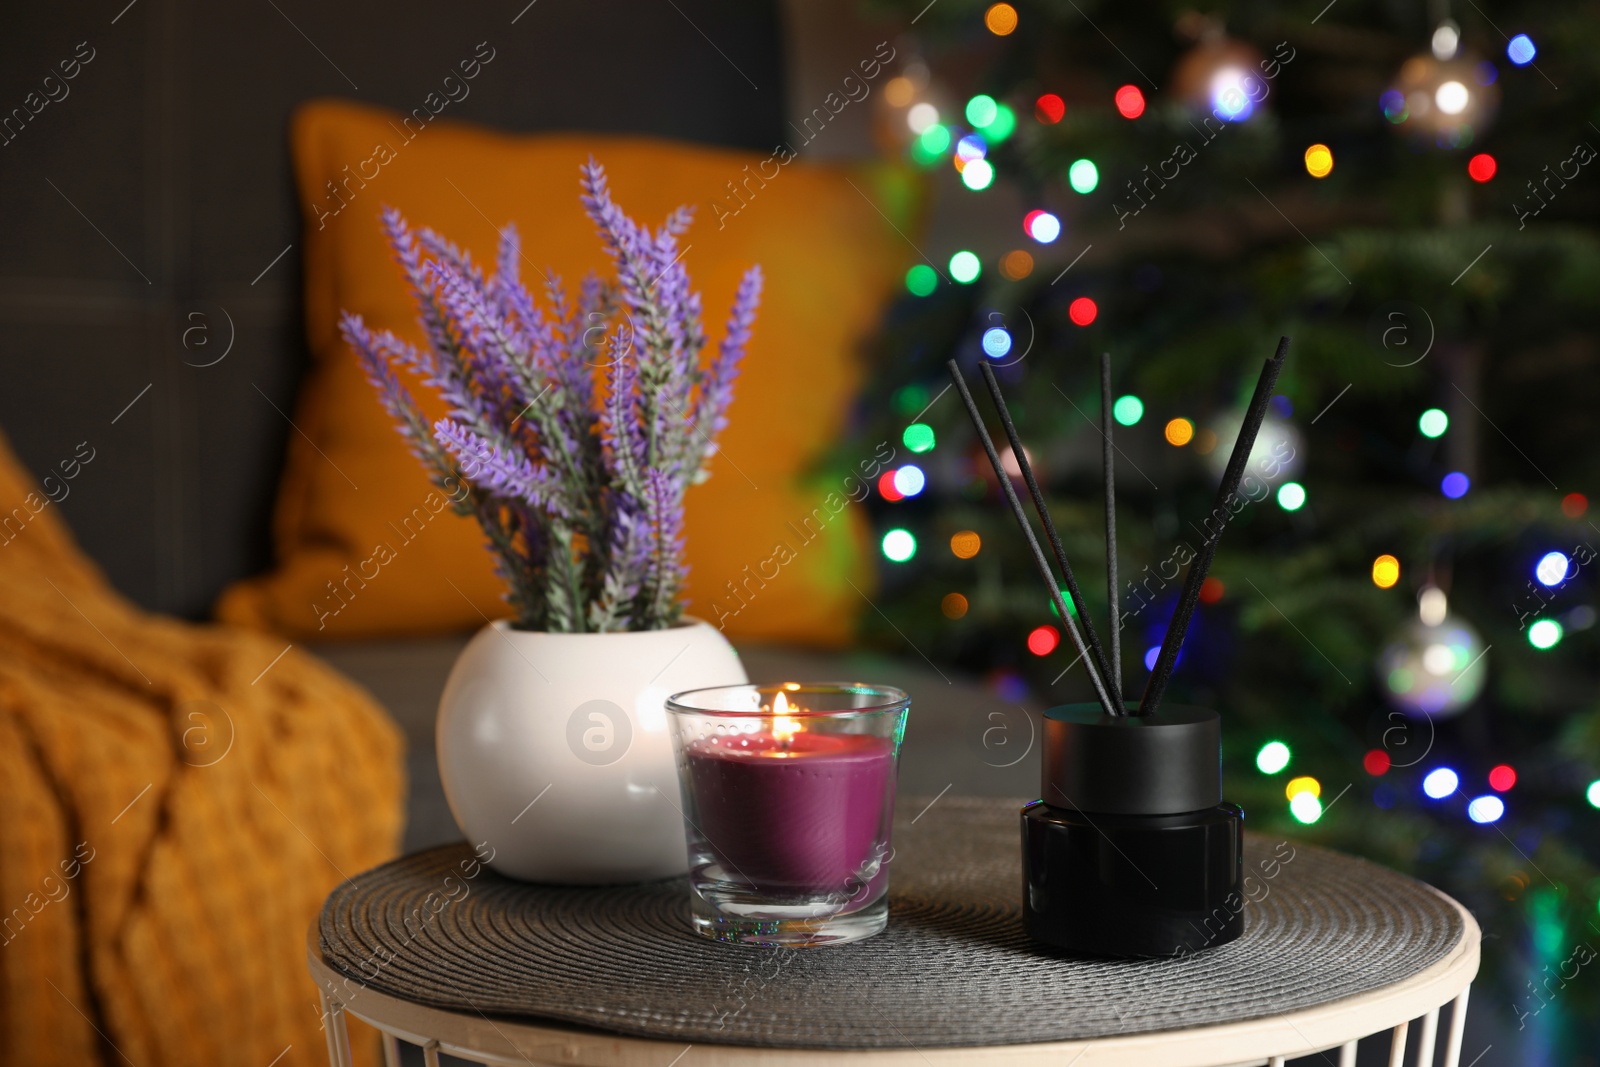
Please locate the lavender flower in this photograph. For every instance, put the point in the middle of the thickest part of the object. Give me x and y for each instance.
(716, 392)
(579, 495)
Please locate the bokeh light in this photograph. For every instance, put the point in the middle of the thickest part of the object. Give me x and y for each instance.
(1432, 606)
(1211, 590)
(965, 544)
(1003, 126)
(996, 342)
(1440, 783)
(1230, 99)
(1130, 102)
(1520, 50)
(1485, 809)
(1452, 97)
(1273, 757)
(887, 489)
(1481, 167)
(1049, 109)
(971, 147)
(1446, 41)
(1306, 808)
(899, 91)
(1552, 568)
(1043, 640)
(921, 116)
(1385, 571)
(1573, 505)
(954, 605)
(965, 267)
(910, 399)
(1502, 778)
(1000, 19)
(1016, 264)
(1319, 161)
(922, 280)
(1455, 485)
(1592, 794)
(1082, 311)
(909, 480)
(1128, 410)
(1375, 762)
(918, 437)
(1151, 654)
(1545, 634)
(1291, 496)
(1066, 598)
(1179, 432)
(977, 175)
(925, 157)
(981, 110)
(1042, 226)
(1393, 104)
(1433, 423)
(1303, 784)
(1083, 176)
(899, 545)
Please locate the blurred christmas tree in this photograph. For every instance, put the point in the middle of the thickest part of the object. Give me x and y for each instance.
(1401, 623)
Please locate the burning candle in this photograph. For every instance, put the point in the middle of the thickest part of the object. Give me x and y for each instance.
(788, 794)
(791, 809)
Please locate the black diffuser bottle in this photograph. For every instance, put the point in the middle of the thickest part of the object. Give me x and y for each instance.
(1131, 851)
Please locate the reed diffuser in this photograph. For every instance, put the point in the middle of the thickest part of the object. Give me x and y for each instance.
(1130, 849)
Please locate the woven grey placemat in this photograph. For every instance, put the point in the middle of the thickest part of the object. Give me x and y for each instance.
(953, 968)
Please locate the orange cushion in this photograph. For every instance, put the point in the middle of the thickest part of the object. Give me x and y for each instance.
(349, 485)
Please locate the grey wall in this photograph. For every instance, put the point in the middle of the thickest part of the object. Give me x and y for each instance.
(150, 198)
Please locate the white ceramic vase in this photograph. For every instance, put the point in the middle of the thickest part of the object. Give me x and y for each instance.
(554, 748)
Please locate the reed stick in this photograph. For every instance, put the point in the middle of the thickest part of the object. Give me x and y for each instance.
(1042, 564)
(1026, 467)
(1227, 493)
(1114, 681)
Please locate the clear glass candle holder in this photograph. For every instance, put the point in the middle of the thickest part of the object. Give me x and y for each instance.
(788, 796)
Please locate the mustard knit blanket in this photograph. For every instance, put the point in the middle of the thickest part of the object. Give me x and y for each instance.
(177, 801)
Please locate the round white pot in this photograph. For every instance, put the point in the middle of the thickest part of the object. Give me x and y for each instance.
(554, 748)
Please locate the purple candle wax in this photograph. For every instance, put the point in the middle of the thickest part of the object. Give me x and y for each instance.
(801, 814)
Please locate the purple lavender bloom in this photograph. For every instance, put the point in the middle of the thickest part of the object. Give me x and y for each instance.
(717, 393)
(665, 572)
(497, 468)
(377, 361)
(579, 492)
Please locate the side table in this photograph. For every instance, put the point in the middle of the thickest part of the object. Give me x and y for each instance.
(437, 950)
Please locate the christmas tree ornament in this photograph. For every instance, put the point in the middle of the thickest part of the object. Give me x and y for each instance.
(1220, 75)
(1436, 665)
(1278, 456)
(1444, 95)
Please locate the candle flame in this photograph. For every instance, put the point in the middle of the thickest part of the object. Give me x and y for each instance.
(784, 726)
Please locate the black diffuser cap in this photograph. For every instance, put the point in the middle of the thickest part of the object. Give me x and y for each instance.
(1161, 764)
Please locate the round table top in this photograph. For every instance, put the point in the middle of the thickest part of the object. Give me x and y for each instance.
(1334, 948)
